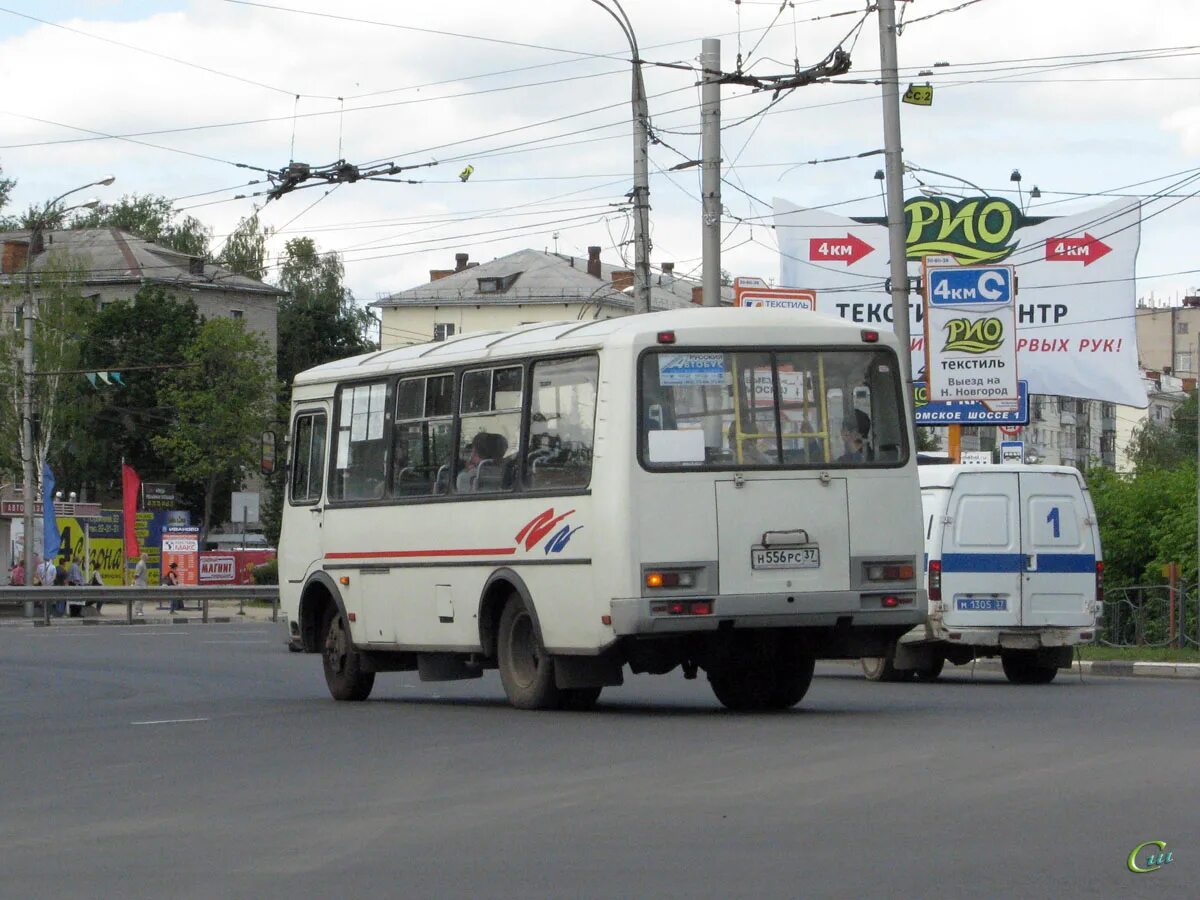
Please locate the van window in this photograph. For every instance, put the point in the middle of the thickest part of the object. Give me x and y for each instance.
(360, 443)
(561, 423)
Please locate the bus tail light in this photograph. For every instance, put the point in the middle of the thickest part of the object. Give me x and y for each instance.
(935, 581)
(891, 601)
(682, 608)
(1099, 581)
(670, 579)
(666, 337)
(869, 337)
(888, 571)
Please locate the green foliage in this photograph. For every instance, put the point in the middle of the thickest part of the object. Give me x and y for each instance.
(222, 404)
(267, 573)
(245, 251)
(319, 320)
(151, 329)
(928, 439)
(1156, 446)
(150, 217)
(1146, 521)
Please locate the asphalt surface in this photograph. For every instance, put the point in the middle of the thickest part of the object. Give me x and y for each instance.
(207, 761)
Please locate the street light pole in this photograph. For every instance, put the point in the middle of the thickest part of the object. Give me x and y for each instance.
(641, 167)
(27, 448)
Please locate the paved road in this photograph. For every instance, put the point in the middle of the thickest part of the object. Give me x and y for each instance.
(206, 761)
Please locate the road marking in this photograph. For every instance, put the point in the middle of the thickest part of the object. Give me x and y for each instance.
(168, 721)
(263, 641)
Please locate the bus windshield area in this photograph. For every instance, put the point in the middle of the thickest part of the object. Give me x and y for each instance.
(771, 409)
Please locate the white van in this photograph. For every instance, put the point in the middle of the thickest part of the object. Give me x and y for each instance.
(1013, 567)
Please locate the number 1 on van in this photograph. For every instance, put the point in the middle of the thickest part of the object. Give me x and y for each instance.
(1053, 520)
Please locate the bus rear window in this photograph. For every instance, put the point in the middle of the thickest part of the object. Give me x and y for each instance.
(771, 409)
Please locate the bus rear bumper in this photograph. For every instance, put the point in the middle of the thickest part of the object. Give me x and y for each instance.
(646, 616)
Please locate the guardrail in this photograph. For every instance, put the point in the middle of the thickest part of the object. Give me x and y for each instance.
(1150, 616)
(200, 594)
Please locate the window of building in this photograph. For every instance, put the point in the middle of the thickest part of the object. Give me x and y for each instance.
(490, 430)
(1183, 363)
(360, 443)
(235, 314)
(442, 330)
(1181, 327)
(561, 423)
(423, 446)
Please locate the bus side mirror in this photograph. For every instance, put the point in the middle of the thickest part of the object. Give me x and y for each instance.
(267, 463)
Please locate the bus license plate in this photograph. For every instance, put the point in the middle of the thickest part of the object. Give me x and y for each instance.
(785, 558)
(981, 604)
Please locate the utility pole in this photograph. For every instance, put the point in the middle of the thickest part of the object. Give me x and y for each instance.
(710, 152)
(894, 172)
(641, 189)
(27, 450)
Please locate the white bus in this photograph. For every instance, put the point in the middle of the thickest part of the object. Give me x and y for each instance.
(716, 489)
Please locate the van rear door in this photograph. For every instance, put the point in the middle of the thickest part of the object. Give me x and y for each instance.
(1060, 551)
(982, 561)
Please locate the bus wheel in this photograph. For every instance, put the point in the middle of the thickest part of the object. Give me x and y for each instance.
(1022, 667)
(526, 669)
(768, 684)
(578, 699)
(345, 674)
(932, 671)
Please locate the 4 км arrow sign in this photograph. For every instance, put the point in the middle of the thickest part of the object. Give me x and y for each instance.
(1086, 249)
(849, 249)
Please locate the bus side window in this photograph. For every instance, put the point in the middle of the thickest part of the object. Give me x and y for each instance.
(422, 435)
(562, 423)
(490, 430)
(360, 443)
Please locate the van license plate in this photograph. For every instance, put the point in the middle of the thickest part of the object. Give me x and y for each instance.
(981, 604)
(808, 557)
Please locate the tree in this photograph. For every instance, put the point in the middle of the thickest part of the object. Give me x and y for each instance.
(63, 318)
(150, 217)
(222, 404)
(318, 320)
(245, 251)
(118, 422)
(1164, 447)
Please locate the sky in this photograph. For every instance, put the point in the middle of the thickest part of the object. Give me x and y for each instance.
(1086, 99)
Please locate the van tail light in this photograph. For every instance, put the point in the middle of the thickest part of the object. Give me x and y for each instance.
(934, 582)
(1099, 581)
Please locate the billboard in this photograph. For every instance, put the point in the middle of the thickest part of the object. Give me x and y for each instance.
(1075, 281)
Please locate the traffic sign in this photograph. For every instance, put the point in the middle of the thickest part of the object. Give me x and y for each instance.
(971, 412)
(1012, 451)
(957, 285)
(1010, 430)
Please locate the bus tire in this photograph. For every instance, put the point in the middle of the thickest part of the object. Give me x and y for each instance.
(769, 684)
(932, 671)
(526, 669)
(1022, 667)
(578, 699)
(345, 673)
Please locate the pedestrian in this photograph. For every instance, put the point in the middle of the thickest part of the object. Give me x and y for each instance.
(60, 580)
(140, 579)
(171, 579)
(48, 572)
(74, 574)
(17, 576)
(97, 580)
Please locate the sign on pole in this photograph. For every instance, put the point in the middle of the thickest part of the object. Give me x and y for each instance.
(1004, 413)
(1012, 451)
(754, 293)
(970, 333)
(976, 458)
(245, 507)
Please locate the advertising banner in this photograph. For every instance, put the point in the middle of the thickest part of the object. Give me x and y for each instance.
(181, 546)
(754, 293)
(231, 567)
(1076, 295)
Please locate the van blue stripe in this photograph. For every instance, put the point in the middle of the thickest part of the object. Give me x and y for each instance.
(983, 562)
(1015, 562)
(1066, 562)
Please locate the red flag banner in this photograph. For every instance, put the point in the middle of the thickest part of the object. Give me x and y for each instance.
(131, 486)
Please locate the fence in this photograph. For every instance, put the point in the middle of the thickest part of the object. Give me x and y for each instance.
(1151, 616)
(200, 595)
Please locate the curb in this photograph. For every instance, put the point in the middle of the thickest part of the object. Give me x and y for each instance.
(1113, 668)
(113, 622)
